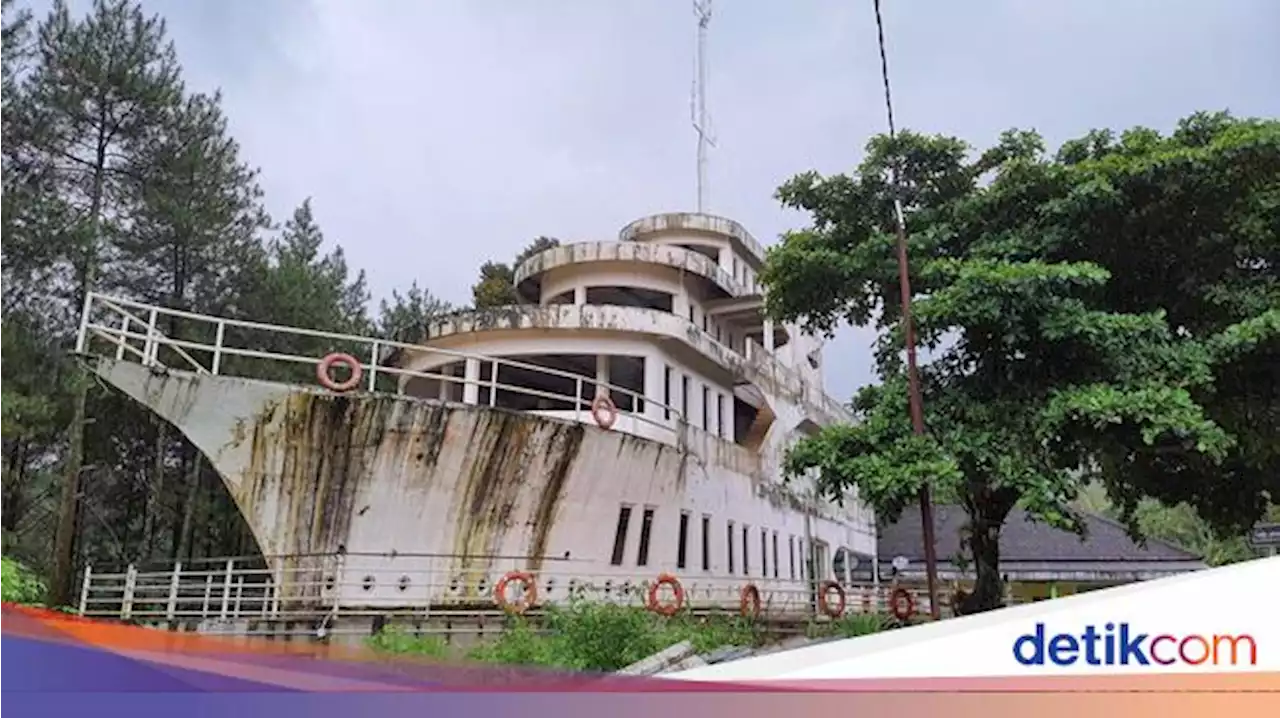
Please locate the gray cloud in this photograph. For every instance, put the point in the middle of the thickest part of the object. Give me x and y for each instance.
(436, 135)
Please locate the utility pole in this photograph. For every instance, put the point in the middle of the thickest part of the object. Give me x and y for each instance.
(909, 335)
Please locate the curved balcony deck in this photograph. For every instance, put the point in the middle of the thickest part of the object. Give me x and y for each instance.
(528, 274)
(755, 366)
(694, 223)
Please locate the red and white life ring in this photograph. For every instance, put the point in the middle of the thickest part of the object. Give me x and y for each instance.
(327, 363)
(661, 608)
(902, 604)
(749, 602)
(527, 581)
(603, 411)
(834, 609)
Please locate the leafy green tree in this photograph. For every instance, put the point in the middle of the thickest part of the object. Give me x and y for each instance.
(1044, 376)
(496, 286)
(1180, 525)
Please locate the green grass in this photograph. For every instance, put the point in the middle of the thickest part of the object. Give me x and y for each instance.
(586, 636)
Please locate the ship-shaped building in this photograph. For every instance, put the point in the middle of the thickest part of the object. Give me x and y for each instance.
(621, 429)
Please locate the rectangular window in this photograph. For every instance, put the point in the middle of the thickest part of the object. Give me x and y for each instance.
(706, 407)
(791, 551)
(775, 554)
(706, 543)
(691, 313)
(682, 548)
(646, 526)
(704, 322)
(800, 551)
(764, 553)
(684, 397)
(666, 393)
(720, 415)
(730, 545)
(620, 535)
(746, 551)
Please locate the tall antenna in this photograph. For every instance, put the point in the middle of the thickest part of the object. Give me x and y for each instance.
(702, 10)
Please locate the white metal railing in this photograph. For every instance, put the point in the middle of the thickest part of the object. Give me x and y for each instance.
(290, 588)
(132, 328)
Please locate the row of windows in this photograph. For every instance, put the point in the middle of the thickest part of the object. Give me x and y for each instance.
(735, 536)
(685, 385)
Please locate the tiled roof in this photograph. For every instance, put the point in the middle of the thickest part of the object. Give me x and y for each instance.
(1022, 539)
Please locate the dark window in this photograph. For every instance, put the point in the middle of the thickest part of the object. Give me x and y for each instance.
(706, 407)
(800, 551)
(691, 313)
(706, 543)
(730, 545)
(684, 397)
(764, 553)
(620, 536)
(791, 550)
(720, 415)
(646, 525)
(746, 551)
(775, 554)
(666, 393)
(682, 547)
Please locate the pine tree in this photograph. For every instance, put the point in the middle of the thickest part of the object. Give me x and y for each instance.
(98, 86)
(191, 243)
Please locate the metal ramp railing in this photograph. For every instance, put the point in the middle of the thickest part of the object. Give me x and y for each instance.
(322, 587)
(127, 330)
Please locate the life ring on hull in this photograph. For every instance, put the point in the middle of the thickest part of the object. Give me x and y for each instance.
(666, 609)
(902, 604)
(836, 609)
(603, 411)
(527, 581)
(327, 363)
(749, 602)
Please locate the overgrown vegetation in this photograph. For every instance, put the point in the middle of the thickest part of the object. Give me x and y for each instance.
(586, 636)
(18, 584)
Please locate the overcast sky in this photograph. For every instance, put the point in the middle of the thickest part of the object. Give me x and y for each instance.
(435, 134)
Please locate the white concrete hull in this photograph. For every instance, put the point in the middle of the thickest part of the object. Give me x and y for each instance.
(424, 501)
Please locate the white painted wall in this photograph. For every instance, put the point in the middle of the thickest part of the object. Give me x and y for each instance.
(407, 508)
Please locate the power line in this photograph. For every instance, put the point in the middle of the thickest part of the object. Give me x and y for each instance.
(884, 69)
(913, 372)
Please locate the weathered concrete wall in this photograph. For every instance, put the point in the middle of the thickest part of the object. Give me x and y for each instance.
(691, 223)
(761, 369)
(317, 473)
(631, 254)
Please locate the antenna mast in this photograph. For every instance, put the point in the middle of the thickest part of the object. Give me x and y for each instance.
(702, 10)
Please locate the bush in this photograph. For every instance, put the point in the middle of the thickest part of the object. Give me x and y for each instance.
(584, 636)
(393, 639)
(858, 624)
(18, 584)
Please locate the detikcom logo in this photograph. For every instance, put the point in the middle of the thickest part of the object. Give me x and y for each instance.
(1120, 645)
